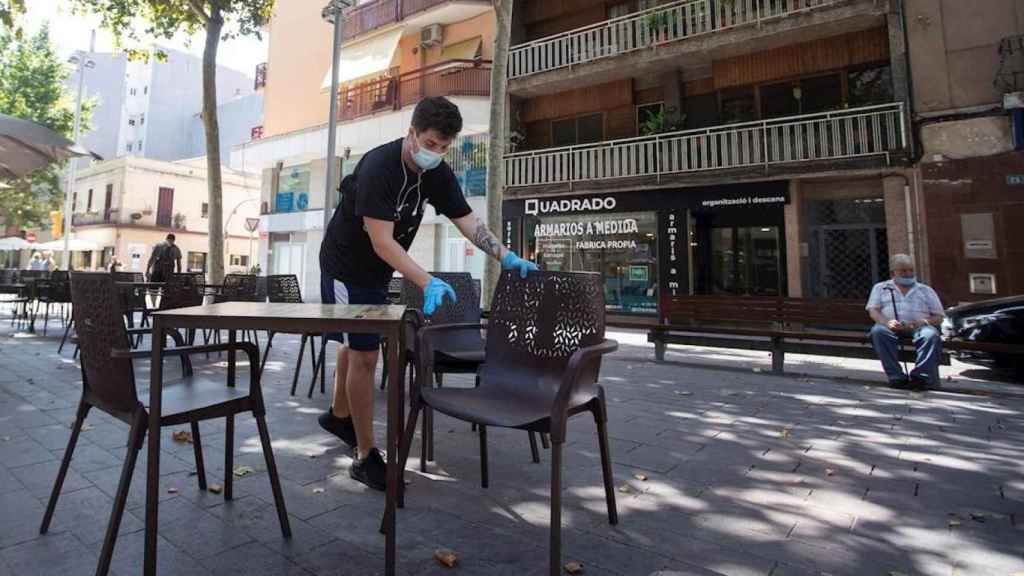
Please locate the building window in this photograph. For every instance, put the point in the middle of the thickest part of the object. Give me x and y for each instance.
(131, 121)
(779, 100)
(821, 94)
(88, 201)
(256, 133)
(145, 89)
(129, 147)
(578, 130)
(647, 118)
(197, 261)
(74, 202)
(140, 145)
(142, 119)
(239, 260)
(206, 210)
(870, 86)
(738, 105)
(621, 245)
(131, 91)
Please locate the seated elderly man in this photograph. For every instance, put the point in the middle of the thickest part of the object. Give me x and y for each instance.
(904, 307)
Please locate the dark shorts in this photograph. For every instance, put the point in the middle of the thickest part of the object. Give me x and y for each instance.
(337, 292)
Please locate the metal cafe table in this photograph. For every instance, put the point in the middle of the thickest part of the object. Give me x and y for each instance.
(294, 318)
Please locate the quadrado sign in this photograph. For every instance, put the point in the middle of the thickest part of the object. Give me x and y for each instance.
(537, 206)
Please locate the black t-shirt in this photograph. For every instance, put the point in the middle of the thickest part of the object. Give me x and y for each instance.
(383, 187)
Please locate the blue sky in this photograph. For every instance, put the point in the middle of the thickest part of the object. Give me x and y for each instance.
(70, 32)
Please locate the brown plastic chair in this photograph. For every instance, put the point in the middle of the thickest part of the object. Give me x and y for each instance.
(455, 351)
(108, 383)
(545, 340)
(285, 288)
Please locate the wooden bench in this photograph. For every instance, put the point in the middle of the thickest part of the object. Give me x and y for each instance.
(833, 327)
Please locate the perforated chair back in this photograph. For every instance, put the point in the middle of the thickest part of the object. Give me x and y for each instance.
(284, 288)
(99, 322)
(536, 324)
(238, 288)
(182, 290)
(466, 309)
(260, 294)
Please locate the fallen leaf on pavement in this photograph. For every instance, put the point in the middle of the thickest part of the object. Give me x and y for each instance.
(243, 470)
(574, 567)
(181, 436)
(624, 489)
(640, 477)
(172, 490)
(87, 427)
(216, 488)
(829, 472)
(318, 490)
(446, 557)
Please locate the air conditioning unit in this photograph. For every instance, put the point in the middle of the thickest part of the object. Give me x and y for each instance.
(431, 35)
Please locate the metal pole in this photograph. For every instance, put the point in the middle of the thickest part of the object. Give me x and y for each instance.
(72, 162)
(333, 10)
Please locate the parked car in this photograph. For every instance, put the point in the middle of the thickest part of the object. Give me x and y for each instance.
(998, 320)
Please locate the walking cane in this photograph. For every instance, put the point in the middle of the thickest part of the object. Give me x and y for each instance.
(896, 314)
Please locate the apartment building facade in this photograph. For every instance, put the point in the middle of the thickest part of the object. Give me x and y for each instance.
(394, 52)
(126, 206)
(967, 64)
(151, 108)
(711, 146)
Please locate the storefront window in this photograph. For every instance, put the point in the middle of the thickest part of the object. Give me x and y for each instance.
(622, 246)
(292, 190)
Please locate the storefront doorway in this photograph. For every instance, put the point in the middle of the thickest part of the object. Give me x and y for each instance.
(745, 260)
(848, 247)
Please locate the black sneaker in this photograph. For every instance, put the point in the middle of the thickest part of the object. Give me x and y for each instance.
(340, 427)
(899, 383)
(371, 470)
(921, 383)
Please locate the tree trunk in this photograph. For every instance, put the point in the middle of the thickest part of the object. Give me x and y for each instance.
(215, 257)
(498, 137)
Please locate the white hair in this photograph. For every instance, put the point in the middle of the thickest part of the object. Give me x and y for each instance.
(901, 260)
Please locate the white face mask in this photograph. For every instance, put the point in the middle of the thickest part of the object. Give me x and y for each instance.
(425, 159)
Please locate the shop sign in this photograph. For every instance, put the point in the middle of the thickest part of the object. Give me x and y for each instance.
(284, 201)
(536, 206)
(590, 228)
(742, 201)
(638, 273)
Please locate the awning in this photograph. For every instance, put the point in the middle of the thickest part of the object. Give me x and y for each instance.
(364, 58)
(466, 50)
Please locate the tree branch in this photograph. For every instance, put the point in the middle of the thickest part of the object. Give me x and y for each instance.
(197, 7)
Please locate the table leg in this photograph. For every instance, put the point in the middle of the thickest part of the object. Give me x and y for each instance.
(393, 441)
(231, 358)
(153, 459)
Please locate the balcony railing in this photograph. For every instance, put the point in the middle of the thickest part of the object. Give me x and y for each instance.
(843, 134)
(87, 218)
(659, 25)
(372, 15)
(449, 78)
(261, 76)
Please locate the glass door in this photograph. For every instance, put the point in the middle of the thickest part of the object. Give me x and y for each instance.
(745, 260)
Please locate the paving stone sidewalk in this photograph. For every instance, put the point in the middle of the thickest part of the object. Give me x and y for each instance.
(719, 471)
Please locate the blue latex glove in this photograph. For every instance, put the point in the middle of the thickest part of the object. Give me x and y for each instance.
(434, 293)
(512, 261)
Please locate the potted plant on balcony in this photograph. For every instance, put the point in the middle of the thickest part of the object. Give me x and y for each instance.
(136, 216)
(661, 122)
(658, 26)
(179, 220)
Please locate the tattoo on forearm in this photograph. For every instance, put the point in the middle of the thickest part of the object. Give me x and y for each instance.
(485, 240)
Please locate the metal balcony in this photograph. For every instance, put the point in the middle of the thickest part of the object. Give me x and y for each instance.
(843, 134)
(653, 27)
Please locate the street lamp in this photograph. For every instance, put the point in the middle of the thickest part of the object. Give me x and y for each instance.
(82, 62)
(332, 13)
